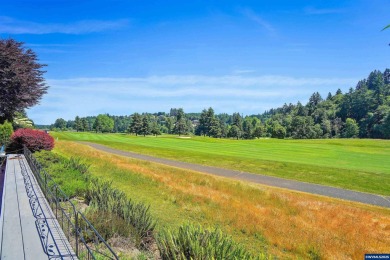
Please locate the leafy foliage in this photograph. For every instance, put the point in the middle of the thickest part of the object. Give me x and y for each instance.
(103, 123)
(6, 131)
(21, 79)
(35, 140)
(194, 242)
(70, 174)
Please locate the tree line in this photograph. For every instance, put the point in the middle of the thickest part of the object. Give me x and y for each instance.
(364, 111)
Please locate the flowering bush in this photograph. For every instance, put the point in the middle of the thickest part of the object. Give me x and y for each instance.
(35, 140)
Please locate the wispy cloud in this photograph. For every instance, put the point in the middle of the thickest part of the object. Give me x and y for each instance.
(320, 11)
(14, 26)
(259, 20)
(231, 93)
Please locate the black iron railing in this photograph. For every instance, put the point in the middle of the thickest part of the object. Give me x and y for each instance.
(83, 237)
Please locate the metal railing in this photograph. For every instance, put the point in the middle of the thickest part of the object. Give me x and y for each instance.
(83, 237)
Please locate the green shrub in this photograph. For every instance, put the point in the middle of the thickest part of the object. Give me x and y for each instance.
(104, 197)
(194, 242)
(69, 175)
(6, 130)
(109, 224)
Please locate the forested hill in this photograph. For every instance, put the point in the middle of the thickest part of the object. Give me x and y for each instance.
(362, 112)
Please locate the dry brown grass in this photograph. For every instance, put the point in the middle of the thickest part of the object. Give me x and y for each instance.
(286, 224)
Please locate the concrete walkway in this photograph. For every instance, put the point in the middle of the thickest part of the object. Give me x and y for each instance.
(333, 192)
(28, 227)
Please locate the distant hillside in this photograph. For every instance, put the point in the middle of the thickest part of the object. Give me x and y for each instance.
(362, 112)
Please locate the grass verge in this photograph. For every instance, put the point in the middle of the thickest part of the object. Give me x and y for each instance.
(270, 220)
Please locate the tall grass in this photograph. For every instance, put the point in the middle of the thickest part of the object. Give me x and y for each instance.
(112, 213)
(68, 173)
(102, 196)
(194, 242)
(286, 224)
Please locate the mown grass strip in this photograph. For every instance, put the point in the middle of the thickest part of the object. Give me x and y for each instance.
(354, 164)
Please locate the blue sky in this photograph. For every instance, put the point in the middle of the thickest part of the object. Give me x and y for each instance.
(121, 57)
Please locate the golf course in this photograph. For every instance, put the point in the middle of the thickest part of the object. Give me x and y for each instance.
(355, 164)
(269, 221)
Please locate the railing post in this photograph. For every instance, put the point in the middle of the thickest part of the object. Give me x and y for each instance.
(56, 199)
(45, 183)
(77, 232)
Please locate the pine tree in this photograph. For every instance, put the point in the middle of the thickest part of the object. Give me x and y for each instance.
(78, 124)
(136, 124)
(145, 126)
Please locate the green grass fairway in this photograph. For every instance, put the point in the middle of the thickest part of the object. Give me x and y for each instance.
(355, 164)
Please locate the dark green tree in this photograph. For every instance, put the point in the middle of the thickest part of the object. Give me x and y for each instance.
(136, 124)
(215, 128)
(314, 101)
(234, 132)
(78, 124)
(170, 124)
(85, 125)
(145, 127)
(278, 131)
(60, 123)
(247, 128)
(155, 128)
(351, 128)
(237, 121)
(258, 131)
(103, 123)
(181, 126)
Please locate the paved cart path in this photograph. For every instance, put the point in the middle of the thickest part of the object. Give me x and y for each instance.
(328, 191)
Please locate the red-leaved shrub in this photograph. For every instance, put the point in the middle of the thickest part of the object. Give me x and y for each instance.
(35, 140)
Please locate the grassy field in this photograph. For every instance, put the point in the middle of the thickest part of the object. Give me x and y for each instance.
(288, 225)
(355, 164)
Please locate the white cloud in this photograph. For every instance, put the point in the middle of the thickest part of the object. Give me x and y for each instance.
(14, 26)
(242, 93)
(259, 20)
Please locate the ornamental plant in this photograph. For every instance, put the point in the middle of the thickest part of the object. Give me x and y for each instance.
(35, 140)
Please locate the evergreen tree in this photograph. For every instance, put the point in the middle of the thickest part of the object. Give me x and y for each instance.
(258, 131)
(136, 124)
(215, 128)
(234, 132)
(237, 121)
(155, 128)
(145, 126)
(181, 126)
(78, 124)
(84, 123)
(170, 124)
(247, 129)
